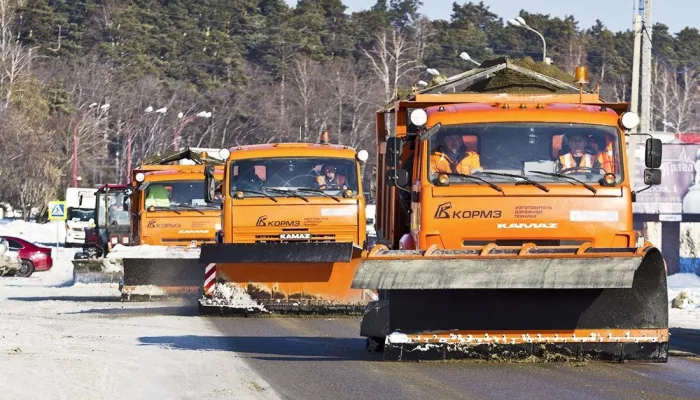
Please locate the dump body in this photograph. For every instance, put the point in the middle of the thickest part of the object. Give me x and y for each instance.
(168, 210)
(511, 252)
(285, 245)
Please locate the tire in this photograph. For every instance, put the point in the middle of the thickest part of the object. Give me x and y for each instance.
(26, 270)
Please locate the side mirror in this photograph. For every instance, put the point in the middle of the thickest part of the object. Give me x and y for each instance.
(397, 177)
(653, 151)
(652, 177)
(127, 203)
(394, 146)
(209, 184)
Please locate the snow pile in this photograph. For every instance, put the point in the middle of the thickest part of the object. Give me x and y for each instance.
(684, 290)
(47, 233)
(149, 251)
(232, 296)
(684, 301)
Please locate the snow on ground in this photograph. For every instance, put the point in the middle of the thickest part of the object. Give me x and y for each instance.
(80, 342)
(46, 234)
(149, 251)
(686, 289)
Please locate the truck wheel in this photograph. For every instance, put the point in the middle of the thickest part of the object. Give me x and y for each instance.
(26, 270)
(374, 344)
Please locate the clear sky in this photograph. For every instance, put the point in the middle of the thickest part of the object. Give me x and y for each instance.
(617, 15)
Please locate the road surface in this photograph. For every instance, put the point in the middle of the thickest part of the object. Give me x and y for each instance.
(305, 358)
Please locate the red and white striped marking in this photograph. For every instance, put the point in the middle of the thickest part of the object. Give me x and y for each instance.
(209, 279)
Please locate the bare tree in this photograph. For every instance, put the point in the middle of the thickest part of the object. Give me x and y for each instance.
(392, 57)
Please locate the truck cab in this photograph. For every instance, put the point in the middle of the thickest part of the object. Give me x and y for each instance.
(168, 206)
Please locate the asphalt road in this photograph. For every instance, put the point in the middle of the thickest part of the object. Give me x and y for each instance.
(304, 358)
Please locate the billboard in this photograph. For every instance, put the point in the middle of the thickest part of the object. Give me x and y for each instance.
(679, 191)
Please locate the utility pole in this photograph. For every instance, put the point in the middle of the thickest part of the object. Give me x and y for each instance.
(634, 100)
(645, 123)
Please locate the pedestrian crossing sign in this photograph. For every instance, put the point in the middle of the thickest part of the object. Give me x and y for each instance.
(57, 211)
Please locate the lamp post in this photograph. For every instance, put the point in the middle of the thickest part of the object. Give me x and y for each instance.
(518, 21)
(176, 136)
(129, 131)
(76, 142)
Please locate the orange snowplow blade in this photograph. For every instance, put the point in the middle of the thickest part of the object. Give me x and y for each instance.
(308, 278)
(517, 302)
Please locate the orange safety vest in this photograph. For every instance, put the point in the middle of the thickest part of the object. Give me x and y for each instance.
(338, 183)
(567, 161)
(440, 162)
(606, 158)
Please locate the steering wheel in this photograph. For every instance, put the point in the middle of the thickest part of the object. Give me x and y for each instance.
(286, 183)
(576, 169)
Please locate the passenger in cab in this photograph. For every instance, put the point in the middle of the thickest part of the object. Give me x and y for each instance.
(330, 179)
(453, 156)
(577, 160)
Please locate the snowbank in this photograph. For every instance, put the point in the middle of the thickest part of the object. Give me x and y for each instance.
(148, 251)
(48, 233)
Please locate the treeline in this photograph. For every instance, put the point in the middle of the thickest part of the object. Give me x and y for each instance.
(265, 71)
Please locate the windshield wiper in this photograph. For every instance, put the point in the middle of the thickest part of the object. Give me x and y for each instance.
(494, 186)
(319, 191)
(256, 192)
(526, 179)
(589, 187)
(189, 207)
(288, 192)
(161, 208)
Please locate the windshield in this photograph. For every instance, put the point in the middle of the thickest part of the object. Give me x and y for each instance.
(324, 175)
(529, 150)
(80, 215)
(115, 205)
(178, 194)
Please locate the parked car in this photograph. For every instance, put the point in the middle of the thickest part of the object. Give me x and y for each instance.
(34, 257)
(10, 262)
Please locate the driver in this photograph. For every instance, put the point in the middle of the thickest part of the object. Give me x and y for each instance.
(454, 156)
(330, 179)
(577, 160)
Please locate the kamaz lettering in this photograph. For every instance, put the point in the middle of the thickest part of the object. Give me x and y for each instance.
(295, 236)
(528, 226)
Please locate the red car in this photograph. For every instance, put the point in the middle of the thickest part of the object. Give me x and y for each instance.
(34, 257)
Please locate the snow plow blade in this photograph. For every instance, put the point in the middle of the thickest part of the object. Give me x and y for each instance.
(515, 303)
(283, 278)
(98, 270)
(148, 278)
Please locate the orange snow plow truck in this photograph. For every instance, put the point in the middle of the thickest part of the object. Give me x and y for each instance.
(504, 223)
(293, 232)
(169, 214)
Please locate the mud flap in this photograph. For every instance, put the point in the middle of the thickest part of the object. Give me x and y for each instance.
(291, 252)
(547, 295)
(161, 277)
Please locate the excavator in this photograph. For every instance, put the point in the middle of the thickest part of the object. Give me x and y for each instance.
(293, 232)
(169, 222)
(504, 224)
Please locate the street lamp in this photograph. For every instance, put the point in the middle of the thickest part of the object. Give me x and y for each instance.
(465, 56)
(201, 114)
(75, 143)
(129, 130)
(433, 72)
(518, 21)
